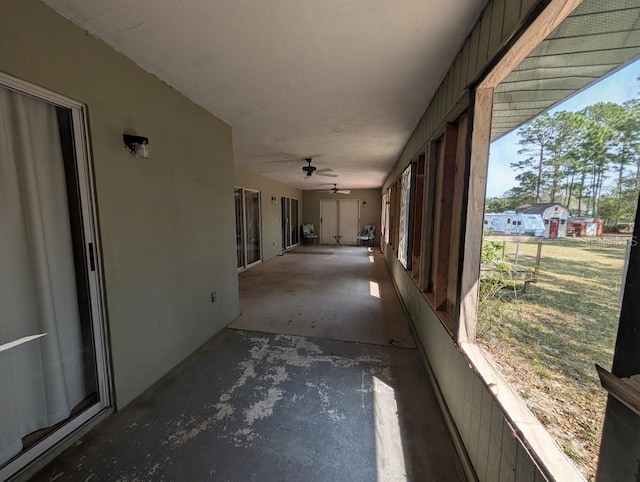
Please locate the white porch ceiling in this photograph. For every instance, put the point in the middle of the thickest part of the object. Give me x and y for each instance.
(342, 81)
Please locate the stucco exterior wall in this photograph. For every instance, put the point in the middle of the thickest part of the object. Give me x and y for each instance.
(167, 223)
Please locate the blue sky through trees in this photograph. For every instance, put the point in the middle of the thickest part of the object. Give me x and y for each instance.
(618, 87)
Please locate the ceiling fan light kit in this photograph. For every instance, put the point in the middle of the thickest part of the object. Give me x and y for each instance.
(309, 170)
(335, 190)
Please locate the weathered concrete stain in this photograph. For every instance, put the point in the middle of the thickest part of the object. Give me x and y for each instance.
(271, 357)
(262, 407)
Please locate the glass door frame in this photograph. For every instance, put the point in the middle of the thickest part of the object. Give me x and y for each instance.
(245, 243)
(295, 226)
(290, 230)
(285, 213)
(240, 247)
(86, 188)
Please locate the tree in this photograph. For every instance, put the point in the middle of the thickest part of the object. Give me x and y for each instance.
(564, 141)
(536, 138)
(497, 204)
(596, 146)
(627, 152)
(554, 141)
(523, 193)
(589, 160)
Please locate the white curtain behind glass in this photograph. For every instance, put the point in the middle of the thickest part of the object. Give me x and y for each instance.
(42, 380)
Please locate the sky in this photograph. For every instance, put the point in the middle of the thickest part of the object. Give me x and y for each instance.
(618, 87)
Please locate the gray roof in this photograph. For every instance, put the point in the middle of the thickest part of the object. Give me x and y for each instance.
(537, 208)
(594, 41)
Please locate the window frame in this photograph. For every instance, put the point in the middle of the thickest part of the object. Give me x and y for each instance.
(435, 216)
(478, 159)
(405, 221)
(539, 443)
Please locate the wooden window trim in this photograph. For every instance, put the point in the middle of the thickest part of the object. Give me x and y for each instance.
(475, 196)
(480, 137)
(429, 216)
(396, 237)
(417, 201)
(457, 215)
(445, 218)
(543, 449)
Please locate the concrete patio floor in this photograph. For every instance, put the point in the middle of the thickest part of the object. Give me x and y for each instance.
(256, 406)
(334, 293)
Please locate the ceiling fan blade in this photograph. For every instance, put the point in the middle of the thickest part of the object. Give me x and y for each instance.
(326, 175)
(326, 169)
(343, 191)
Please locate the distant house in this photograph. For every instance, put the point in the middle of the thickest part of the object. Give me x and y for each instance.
(554, 217)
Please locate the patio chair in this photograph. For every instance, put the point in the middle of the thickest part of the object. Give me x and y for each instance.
(367, 235)
(309, 234)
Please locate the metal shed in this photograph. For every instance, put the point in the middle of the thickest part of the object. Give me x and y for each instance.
(554, 216)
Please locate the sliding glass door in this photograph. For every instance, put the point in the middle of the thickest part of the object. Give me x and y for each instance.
(248, 232)
(252, 226)
(52, 352)
(239, 201)
(285, 207)
(290, 223)
(294, 223)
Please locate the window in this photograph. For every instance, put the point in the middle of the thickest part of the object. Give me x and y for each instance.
(449, 178)
(397, 197)
(417, 208)
(540, 328)
(386, 201)
(403, 231)
(425, 206)
(393, 215)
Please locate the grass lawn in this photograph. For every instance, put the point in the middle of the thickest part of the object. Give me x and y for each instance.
(546, 341)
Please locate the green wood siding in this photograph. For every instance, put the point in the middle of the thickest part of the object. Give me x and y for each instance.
(493, 449)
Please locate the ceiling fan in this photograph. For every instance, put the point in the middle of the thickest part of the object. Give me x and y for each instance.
(335, 190)
(309, 170)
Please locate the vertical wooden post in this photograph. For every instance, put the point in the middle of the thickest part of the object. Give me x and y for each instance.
(473, 217)
(536, 270)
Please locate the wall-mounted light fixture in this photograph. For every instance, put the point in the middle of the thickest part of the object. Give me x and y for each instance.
(364, 204)
(273, 200)
(137, 145)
